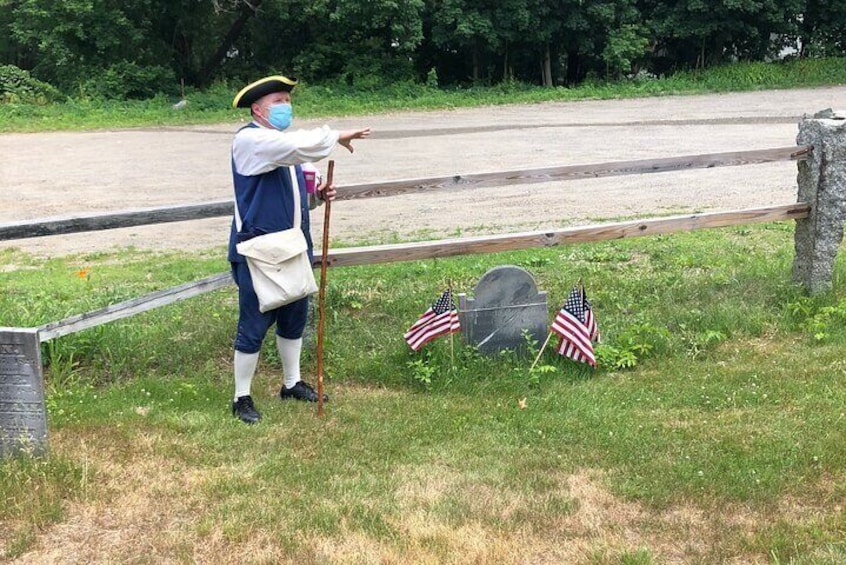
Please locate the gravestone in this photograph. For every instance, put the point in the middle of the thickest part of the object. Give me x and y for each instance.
(506, 304)
(23, 418)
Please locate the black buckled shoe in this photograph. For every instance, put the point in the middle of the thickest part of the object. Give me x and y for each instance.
(301, 391)
(245, 410)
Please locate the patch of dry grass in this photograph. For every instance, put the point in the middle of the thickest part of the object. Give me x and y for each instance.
(143, 506)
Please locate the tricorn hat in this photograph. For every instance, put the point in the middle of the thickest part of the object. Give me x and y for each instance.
(259, 88)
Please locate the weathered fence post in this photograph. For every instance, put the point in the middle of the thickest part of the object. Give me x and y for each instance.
(23, 417)
(822, 184)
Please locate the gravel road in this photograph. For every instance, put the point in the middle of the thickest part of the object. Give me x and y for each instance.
(63, 174)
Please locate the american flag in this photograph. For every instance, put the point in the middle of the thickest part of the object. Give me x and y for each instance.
(576, 325)
(440, 319)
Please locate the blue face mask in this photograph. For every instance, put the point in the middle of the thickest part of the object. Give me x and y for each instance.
(280, 115)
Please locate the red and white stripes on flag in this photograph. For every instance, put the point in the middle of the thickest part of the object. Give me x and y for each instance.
(440, 319)
(577, 326)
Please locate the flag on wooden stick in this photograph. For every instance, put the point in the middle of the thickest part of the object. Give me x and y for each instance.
(577, 326)
(440, 319)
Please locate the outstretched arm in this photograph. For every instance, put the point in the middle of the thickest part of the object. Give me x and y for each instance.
(259, 150)
(345, 137)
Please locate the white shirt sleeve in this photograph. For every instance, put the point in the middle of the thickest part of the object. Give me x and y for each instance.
(259, 150)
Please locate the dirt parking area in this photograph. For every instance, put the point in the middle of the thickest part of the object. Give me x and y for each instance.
(67, 174)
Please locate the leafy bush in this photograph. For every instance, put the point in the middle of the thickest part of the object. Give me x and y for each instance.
(634, 344)
(17, 86)
(130, 81)
(820, 321)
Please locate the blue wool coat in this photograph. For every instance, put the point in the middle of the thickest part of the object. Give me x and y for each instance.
(266, 205)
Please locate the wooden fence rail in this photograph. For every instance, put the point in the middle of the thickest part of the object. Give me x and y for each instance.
(442, 248)
(158, 215)
(132, 307)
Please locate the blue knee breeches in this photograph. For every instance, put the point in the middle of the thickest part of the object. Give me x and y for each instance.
(290, 319)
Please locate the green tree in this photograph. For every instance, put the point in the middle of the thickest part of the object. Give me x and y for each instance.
(468, 32)
(619, 36)
(623, 47)
(128, 48)
(515, 33)
(363, 42)
(697, 33)
(78, 42)
(822, 27)
(605, 38)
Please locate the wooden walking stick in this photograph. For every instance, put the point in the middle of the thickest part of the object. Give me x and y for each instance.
(321, 297)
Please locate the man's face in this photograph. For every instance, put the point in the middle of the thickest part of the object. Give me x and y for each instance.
(263, 104)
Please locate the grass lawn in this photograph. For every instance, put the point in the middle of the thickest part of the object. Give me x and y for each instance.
(712, 431)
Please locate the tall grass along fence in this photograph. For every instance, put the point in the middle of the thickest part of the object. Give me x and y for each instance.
(819, 213)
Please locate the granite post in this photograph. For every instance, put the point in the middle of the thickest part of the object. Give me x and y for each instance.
(822, 184)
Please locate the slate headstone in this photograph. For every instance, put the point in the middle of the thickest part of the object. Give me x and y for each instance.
(505, 304)
(23, 417)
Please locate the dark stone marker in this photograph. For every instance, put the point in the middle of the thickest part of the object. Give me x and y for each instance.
(506, 304)
(23, 418)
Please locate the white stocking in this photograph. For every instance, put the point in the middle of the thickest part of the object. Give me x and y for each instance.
(245, 368)
(289, 353)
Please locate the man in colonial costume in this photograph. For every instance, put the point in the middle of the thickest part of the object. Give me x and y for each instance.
(267, 169)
